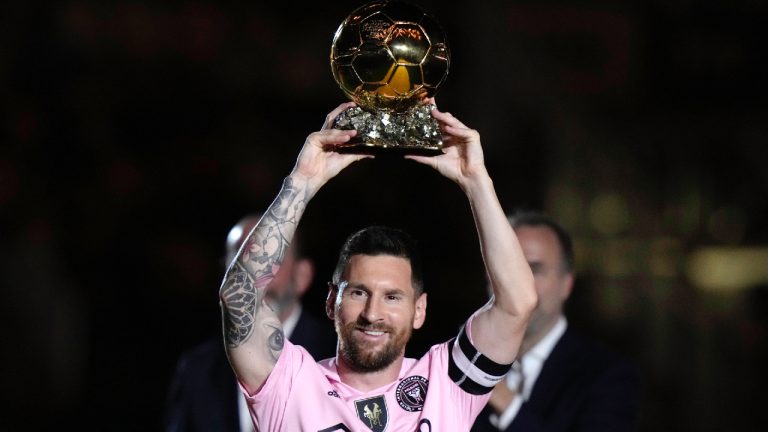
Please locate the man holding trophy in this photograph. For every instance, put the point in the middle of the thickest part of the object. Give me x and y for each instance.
(376, 297)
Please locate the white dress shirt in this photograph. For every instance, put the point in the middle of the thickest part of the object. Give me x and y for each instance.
(246, 424)
(531, 362)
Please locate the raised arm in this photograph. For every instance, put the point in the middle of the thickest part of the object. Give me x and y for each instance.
(498, 329)
(253, 334)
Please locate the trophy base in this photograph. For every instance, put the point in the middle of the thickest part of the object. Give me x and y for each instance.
(378, 149)
(413, 132)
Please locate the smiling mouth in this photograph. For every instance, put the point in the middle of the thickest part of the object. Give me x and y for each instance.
(373, 332)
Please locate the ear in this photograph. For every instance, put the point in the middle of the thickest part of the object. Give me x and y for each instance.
(421, 311)
(330, 301)
(567, 286)
(303, 275)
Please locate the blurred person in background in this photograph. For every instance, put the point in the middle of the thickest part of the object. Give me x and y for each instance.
(204, 395)
(562, 381)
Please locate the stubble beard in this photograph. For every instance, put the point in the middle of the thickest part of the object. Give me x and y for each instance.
(362, 356)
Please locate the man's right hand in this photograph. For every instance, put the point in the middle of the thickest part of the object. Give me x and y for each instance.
(318, 162)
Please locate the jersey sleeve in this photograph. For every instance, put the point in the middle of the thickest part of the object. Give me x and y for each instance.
(268, 404)
(472, 371)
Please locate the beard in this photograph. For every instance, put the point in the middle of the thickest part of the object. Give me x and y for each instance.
(365, 356)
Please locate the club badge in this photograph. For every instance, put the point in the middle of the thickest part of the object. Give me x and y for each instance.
(373, 412)
(411, 393)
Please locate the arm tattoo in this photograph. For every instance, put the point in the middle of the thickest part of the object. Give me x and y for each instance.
(267, 245)
(239, 298)
(243, 291)
(275, 341)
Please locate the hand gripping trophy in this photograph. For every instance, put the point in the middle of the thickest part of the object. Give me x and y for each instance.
(390, 57)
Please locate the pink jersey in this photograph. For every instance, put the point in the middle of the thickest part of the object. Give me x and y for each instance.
(443, 391)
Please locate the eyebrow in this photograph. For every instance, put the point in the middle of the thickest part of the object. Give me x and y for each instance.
(358, 286)
(395, 291)
(362, 286)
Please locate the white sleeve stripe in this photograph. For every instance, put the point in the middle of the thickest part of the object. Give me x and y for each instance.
(471, 371)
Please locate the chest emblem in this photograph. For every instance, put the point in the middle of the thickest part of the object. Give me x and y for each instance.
(373, 412)
(411, 393)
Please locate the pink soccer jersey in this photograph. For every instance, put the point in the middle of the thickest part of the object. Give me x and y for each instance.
(443, 391)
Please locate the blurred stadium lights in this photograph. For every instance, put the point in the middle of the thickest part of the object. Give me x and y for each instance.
(727, 268)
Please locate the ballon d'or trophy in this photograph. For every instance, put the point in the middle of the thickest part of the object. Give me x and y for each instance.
(389, 57)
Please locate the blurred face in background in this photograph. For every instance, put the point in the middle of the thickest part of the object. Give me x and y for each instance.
(553, 281)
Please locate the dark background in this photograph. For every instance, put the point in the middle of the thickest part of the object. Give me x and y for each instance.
(134, 134)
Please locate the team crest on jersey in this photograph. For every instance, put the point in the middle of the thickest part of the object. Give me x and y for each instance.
(411, 393)
(373, 412)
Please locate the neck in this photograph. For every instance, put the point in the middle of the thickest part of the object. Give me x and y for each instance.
(367, 381)
(286, 311)
(530, 340)
(528, 343)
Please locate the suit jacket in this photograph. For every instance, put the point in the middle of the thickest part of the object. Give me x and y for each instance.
(582, 386)
(203, 393)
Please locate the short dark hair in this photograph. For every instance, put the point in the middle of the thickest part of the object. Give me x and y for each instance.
(382, 240)
(536, 218)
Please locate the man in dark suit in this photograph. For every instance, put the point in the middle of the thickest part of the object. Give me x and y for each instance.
(204, 395)
(562, 381)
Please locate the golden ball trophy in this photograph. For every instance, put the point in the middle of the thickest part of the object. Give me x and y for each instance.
(390, 57)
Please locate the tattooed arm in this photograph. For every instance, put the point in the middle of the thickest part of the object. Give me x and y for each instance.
(498, 329)
(253, 334)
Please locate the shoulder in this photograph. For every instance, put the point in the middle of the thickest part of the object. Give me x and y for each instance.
(579, 342)
(294, 363)
(318, 337)
(207, 354)
(592, 355)
(294, 359)
(203, 366)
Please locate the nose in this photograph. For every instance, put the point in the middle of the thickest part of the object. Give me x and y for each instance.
(372, 311)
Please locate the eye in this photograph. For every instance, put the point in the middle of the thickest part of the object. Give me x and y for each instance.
(357, 293)
(393, 297)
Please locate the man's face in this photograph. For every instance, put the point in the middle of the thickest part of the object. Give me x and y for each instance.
(553, 284)
(375, 310)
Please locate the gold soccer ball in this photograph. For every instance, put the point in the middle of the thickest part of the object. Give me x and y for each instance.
(389, 55)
